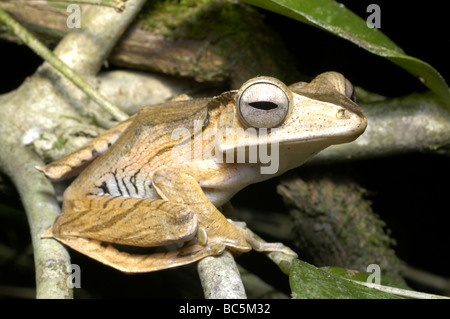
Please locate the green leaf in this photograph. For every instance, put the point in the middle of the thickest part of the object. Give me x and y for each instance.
(309, 282)
(335, 18)
(364, 276)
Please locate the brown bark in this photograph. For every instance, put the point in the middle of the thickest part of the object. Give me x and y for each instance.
(207, 45)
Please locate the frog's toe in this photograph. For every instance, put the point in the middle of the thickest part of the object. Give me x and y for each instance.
(239, 224)
(202, 236)
(48, 233)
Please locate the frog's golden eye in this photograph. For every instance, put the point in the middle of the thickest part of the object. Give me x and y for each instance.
(349, 90)
(263, 102)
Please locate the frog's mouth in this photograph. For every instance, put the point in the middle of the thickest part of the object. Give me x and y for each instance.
(319, 120)
(334, 136)
(327, 138)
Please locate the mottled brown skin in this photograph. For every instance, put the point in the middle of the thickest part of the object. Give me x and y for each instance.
(133, 191)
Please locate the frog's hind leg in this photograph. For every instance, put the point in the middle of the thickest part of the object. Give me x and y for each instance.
(126, 221)
(134, 263)
(92, 225)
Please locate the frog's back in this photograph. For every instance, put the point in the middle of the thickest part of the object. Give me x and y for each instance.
(125, 169)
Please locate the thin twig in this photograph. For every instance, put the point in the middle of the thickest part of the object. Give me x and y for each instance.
(425, 278)
(400, 292)
(58, 64)
(37, 195)
(119, 5)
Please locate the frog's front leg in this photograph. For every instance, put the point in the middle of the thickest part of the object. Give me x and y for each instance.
(73, 163)
(260, 245)
(181, 185)
(92, 224)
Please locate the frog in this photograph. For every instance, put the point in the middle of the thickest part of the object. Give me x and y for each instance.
(159, 178)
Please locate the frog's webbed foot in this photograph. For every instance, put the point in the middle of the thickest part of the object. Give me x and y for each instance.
(137, 263)
(259, 244)
(279, 253)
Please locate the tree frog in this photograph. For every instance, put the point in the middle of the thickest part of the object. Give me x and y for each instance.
(159, 177)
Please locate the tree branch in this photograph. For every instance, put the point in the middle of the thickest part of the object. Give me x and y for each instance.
(37, 193)
(119, 5)
(58, 64)
(414, 123)
(38, 105)
(220, 277)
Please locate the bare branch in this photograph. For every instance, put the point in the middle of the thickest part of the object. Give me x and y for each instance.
(220, 277)
(36, 106)
(119, 5)
(414, 123)
(58, 64)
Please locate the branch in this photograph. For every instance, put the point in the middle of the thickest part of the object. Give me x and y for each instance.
(119, 5)
(52, 261)
(185, 39)
(58, 64)
(220, 277)
(414, 123)
(27, 109)
(400, 292)
(37, 194)
(426, 279)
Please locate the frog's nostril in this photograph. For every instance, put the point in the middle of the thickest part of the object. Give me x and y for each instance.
(341, 114)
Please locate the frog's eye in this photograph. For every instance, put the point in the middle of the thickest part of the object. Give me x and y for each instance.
(349, 90)
(263, 102)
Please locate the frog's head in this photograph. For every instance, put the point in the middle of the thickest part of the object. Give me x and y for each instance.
(301, 119)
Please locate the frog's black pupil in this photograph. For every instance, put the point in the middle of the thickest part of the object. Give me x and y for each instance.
(263, 105)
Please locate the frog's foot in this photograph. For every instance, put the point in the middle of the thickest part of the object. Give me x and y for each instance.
(134, 263)
(280, 254)
(201, 238)
(260, 245)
